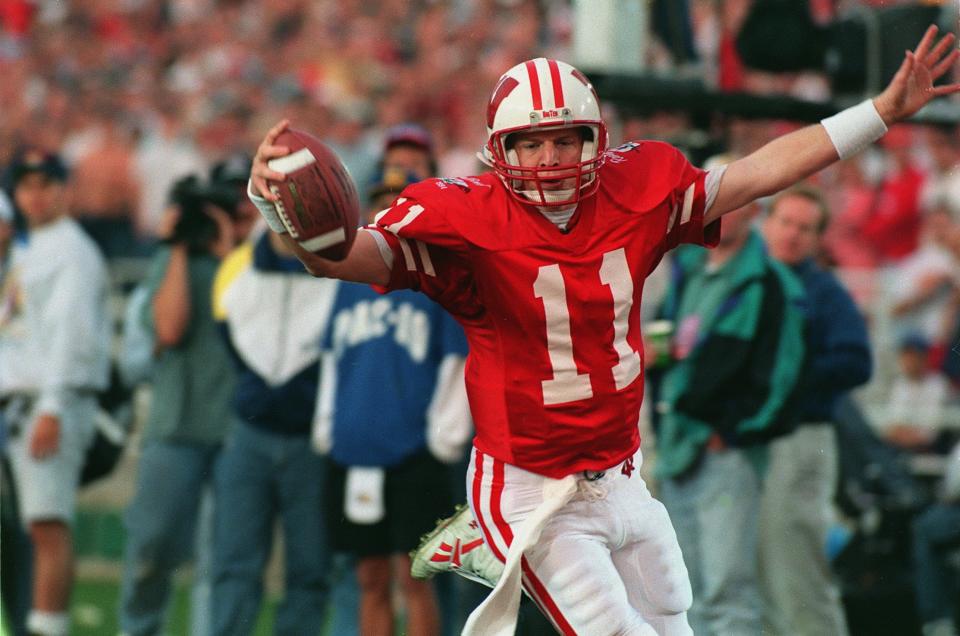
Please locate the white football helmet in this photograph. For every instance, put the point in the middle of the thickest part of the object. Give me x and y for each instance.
(536, 95)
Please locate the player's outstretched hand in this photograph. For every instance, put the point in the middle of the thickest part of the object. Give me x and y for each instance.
(260, 172)
(912, 87)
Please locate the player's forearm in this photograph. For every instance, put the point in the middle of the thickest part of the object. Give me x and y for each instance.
(774, 167)
(363, 264)
(791, 158)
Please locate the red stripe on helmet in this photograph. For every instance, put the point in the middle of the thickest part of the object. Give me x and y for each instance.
(500, 93)
(535, 85)
(583, 80)
(557, 85)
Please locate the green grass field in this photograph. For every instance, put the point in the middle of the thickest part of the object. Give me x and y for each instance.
(94, 610)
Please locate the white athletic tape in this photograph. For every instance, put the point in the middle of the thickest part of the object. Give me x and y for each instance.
(855, 128)
(317, 243)
(292, 162)
(267, 210)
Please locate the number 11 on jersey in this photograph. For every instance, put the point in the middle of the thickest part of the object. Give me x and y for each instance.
(567, 384)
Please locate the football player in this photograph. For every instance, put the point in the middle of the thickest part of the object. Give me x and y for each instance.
(542, 261)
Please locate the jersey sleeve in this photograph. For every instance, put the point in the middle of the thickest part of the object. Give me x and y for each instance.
(425, 252)
(693, 192)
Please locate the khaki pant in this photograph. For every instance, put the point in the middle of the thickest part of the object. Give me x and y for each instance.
(800, 595)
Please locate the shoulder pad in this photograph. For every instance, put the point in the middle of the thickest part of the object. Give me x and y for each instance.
(476, 208)
(640, 175)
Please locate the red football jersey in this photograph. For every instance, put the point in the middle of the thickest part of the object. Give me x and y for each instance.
(555, 370)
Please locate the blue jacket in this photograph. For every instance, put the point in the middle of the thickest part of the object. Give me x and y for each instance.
(838, 352)
(392, 377)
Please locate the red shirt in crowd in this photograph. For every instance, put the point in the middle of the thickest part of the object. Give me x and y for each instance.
(894, 226)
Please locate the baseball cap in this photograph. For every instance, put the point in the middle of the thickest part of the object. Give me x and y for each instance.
(233, 169)
(390, 180)
(409, 134)
(30, 160)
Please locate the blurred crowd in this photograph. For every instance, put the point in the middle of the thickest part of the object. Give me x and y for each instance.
(132, 98)
(139, 93)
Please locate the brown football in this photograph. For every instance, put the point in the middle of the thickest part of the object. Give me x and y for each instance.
(318, 200)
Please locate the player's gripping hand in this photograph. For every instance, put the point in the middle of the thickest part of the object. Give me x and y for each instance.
(357, 260)
(267, 150)
(912, 86)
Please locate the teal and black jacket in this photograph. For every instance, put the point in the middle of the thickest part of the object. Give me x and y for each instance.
(738, 380)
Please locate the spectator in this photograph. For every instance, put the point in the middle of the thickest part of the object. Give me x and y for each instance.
(164, 154)
(922, 283)
(913, 416)
(409, 148)
(737, 349)
(349, 138)
(942, 188)
(106, 190)
(894, 226)
(846, 243)
(412, 352)
(54, 352)
(273, 314)
(796, 509)
(936, 542)
(192, 386)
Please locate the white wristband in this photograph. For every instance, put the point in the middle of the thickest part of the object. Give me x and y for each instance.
(855, 128)
(267, 210)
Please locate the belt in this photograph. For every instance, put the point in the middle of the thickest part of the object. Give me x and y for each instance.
(627, 467)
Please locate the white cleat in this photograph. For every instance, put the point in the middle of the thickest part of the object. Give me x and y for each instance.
(456, 545)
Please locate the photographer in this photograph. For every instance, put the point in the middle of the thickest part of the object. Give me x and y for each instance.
(192, 382)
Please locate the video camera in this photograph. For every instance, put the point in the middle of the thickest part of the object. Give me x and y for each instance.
(196, 227)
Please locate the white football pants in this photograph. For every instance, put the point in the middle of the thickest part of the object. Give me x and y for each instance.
(606, 563)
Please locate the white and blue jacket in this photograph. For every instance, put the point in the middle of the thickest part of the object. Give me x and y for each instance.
(392, 380)
(274, 314)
